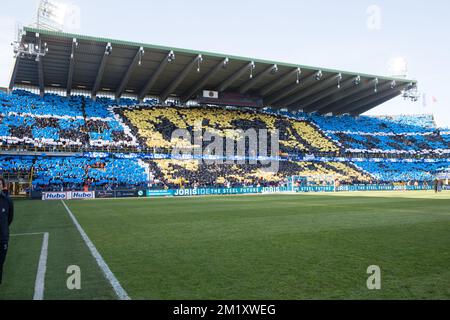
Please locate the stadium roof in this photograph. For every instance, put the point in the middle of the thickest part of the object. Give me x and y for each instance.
(77, 62)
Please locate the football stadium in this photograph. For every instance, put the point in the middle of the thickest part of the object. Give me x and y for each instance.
(143, 171)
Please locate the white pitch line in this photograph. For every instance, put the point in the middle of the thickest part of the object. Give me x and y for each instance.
(27, 234)
(39, 285)
(118, 289)
(42, 269)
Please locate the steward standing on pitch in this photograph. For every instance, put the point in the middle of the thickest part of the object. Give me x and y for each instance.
(6, 218)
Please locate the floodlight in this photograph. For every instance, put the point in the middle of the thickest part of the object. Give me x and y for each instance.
(319, 75)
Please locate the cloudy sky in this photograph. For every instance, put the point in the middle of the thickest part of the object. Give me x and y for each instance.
(354, 35)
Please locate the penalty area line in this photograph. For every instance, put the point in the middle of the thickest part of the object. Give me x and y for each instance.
(27, 234)
(39, 285)
(118, 289)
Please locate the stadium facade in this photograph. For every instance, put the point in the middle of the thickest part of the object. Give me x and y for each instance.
(85, 113)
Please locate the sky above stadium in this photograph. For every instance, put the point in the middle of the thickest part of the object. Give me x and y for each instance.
(355, 35)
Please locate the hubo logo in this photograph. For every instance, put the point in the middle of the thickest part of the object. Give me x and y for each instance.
(82, 195)
(229, 146)
(55, 196)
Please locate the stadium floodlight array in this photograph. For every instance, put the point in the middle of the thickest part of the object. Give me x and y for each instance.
(29, 50)
(411, 93)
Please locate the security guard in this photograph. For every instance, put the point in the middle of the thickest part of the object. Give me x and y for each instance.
(6, 218)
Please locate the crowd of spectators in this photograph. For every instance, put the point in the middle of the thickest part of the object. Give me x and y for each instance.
(55, 173)
(80, 122)
(53, 120)
(192, 173)
(388, 171)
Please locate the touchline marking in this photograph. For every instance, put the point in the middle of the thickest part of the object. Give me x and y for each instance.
(42, 269)
(27, 234)
(39, 285)
(120, 292)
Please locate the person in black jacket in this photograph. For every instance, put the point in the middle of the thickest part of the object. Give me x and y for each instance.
(436, 185)
(6, 218)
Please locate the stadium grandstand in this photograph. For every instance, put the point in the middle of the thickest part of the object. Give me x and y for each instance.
(134, 171)
(85, 113)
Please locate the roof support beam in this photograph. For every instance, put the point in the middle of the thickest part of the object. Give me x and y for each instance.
(328, 101)
(310, 105)
(199, 85)
(176, 82)
(250, 83)
(14, 74)
(137, 60)
(366, 89)
(275, 84)
(366, 101)
(154, 77)
(40, 70)
(71, 67)
(228, 82)
(280, 94)
(375, 103)
(101, 70)
(310, 90)
(41, 77)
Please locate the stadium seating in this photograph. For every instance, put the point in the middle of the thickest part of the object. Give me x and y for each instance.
(155, 125)
(387, 171)
(193, 173)
(15, 164)
(28, 119)
(80, 122)
(55, 173)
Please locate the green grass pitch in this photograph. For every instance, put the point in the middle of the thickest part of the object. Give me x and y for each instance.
(303, 246)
